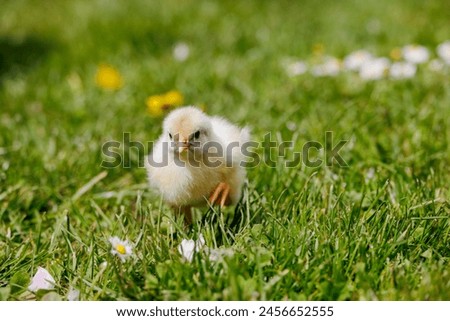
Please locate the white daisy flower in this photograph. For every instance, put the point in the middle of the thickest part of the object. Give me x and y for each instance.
(402, 70)
(296, 68)
(123, 249)
(374, 69)
(73, 294)
(188, 248)
(42, 280)
(356, 59)
(443, 51)
(436, 65)
(181, 51)
(415, 54)
(330, 67)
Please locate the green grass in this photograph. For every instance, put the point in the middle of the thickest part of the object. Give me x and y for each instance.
(325, 233)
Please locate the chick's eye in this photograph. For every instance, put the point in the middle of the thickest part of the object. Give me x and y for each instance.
(197, 134)
(170, 135)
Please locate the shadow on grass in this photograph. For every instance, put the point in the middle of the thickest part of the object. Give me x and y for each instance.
(17, 55)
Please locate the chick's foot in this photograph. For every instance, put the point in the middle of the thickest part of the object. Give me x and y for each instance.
(221, 195)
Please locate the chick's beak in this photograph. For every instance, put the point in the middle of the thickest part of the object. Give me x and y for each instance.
(183, 146)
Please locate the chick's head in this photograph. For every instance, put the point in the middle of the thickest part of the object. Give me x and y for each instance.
(187, 129)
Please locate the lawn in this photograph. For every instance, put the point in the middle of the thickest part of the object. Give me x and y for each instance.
(377, 228)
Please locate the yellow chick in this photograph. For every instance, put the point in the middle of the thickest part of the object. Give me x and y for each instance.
(196, 160)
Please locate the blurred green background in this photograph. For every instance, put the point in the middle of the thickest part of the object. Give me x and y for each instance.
(54, 120)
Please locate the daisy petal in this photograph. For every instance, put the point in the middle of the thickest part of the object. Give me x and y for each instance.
(42, 280)
(187, 249)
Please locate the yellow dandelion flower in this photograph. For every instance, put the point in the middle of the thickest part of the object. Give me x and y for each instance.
(318, 49)
(396, 54)
(158, 104)
(155, 105)
(173, 98)
(108, 77)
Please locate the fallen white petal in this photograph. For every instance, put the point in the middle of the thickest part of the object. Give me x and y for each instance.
(73, 295)
(200, 242)
(187, 249)
(42, 280)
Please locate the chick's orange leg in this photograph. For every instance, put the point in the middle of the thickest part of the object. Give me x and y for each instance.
(221, 195)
